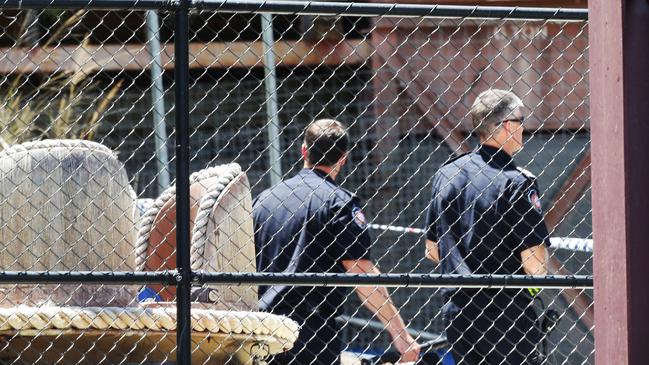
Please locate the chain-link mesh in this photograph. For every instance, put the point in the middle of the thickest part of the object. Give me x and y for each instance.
(88, 185)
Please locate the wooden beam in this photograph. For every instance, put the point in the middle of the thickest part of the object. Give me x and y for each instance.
(416, 87)
(438, 52)
(572, 190)
(135, 57)
(618, 77)
(564, 201)
(451, 133)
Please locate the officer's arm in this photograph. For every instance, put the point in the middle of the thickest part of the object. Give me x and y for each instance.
(526, 217)
(534, 260)
(377, 300)
(432, 251)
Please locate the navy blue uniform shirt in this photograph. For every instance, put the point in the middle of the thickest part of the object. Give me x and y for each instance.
(483, 213)
(307, 224)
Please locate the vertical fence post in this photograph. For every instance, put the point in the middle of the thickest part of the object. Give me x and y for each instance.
(270, 83)
(181, 69)
(157, 99)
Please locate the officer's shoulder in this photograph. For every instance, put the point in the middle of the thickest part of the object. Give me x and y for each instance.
(344, 194)
(521, 177)
(451, 169)
(262, 196)
(456, 158)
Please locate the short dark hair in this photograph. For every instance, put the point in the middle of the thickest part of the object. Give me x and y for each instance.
(326, 142)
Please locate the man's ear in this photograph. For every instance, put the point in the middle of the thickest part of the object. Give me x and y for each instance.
(303, 151)
(508, 127)
(343, 160)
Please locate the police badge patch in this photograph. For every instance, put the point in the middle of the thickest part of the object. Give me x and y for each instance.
(533, 198)
(359, 217)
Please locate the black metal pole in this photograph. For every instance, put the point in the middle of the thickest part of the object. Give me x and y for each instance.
(183, 286)
(172, 277)
(90, 4)
(388, 10)
(313, 8)
(88, 277)
(396, 280)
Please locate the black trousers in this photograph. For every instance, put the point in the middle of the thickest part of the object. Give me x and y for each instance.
(317, 344)
(490, 337)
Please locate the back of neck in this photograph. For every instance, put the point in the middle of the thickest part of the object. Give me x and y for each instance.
(331, 171)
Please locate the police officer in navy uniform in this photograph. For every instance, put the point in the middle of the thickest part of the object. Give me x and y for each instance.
(485, 217)
(307, 223)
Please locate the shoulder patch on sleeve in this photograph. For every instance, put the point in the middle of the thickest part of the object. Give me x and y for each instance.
(359, 217)
(526, 173)
(534, 199)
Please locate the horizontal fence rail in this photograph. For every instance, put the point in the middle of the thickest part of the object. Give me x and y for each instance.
(309, 279)
(170, 277)
(313, 8)
(91, 4)
(397, 280)
(389, 10)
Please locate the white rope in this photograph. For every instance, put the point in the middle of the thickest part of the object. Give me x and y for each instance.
(21, 318)
(561, 243)
(146, 223)
(49, 144)
(142, 205)
(211, 196)
(147, 219)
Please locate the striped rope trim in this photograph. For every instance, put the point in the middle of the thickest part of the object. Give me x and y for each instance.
(23, 317)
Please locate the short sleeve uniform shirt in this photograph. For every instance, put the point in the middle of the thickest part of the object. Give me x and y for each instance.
(307, 223)
(484, 211)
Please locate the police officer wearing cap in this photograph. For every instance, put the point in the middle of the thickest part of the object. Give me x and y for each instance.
(308, 223)
(485, 217)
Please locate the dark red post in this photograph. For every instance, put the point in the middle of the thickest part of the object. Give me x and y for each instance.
(619, 84)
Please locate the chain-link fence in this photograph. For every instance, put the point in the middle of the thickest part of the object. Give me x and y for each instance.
(112, 253)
